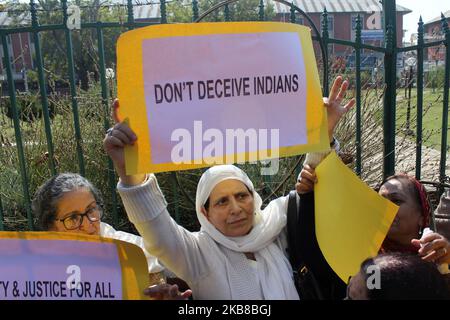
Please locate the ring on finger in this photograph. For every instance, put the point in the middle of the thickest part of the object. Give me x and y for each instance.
(109, 132)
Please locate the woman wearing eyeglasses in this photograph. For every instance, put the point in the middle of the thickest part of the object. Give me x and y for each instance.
(68, 202)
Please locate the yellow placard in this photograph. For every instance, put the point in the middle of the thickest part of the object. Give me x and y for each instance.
(351, 219)
(38, 252)
(170, 73)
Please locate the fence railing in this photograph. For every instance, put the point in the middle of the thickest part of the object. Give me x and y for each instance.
(389, 50)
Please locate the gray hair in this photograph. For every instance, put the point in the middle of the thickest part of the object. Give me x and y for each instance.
(46, 197)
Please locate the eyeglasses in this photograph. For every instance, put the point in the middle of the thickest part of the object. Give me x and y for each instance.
(74, 220)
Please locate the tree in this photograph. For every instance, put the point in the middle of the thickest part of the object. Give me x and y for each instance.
(244, 10)
(84, 42)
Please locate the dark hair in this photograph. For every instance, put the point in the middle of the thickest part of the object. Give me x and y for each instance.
(418, 193)
(47, 195)
(405, 276)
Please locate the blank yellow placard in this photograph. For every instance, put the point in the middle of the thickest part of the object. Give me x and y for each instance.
(351, 219)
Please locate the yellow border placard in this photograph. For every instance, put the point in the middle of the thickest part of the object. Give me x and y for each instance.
(130, 83)
(132, 259)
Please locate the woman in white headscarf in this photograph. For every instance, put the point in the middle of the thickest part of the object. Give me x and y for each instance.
(240, 250)
(213, 261)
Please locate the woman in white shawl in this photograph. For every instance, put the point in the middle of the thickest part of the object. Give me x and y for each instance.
(239, 252)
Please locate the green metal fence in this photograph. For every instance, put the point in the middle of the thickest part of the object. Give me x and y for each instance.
(389, 50)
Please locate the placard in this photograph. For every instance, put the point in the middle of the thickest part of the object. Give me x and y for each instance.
(69, 266)
(215, 93)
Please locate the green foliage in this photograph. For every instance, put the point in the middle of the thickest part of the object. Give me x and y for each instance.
(435, 78)
(28, 107)
(84, 42)
(244, 10)
(92, 115)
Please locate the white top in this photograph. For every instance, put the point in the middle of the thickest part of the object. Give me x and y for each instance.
(212, 270)
(108, 231)
(254, 265)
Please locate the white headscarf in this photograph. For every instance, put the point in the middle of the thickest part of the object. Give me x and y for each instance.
(274, 270)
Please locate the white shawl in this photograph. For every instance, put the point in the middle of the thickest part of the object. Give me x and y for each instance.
(274, 270)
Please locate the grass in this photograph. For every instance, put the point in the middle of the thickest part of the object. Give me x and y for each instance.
(432, 115)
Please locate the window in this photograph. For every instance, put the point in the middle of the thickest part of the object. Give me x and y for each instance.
(330, 25)
(354, 17)
(286, 17)
(353, 22)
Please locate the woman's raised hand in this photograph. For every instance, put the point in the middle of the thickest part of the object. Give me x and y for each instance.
(335, 108)
(306, 180)
(114, 143)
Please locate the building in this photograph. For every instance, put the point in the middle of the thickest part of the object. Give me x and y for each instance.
(433, 32)
(20, 47)
(342, 16)
(341, 25)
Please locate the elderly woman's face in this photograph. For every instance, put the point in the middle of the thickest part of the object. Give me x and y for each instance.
(408, 220)
(231, 208)
(74, 206)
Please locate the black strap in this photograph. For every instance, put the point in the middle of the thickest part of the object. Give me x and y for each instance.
(294, 250)
(292, 229)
